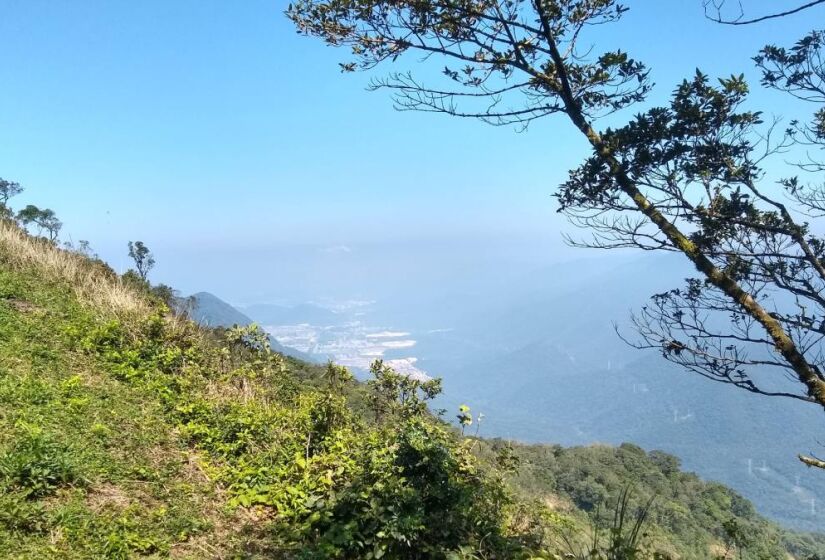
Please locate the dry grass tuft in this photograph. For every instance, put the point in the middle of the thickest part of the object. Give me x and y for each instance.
(557, 503)
(22, 306)
(107, 496)
(94, 283)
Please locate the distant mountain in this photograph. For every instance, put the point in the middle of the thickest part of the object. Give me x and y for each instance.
(211, 311)
(268, 314)
(541, 359)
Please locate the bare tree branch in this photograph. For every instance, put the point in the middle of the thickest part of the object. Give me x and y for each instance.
(740, 19)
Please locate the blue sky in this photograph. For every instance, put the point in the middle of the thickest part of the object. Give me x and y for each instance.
(210, 128)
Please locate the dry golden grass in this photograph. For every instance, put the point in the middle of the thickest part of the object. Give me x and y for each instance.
(93, 282)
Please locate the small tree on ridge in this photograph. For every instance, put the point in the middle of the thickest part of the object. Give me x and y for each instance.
(143, 258)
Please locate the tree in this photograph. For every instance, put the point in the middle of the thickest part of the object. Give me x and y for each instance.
(8, 190)
(687, 177)
(82, 247)
(394, 394)
(144, 260)
(44, 220)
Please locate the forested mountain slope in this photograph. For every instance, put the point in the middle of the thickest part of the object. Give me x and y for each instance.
(127, 431)
(548, 365)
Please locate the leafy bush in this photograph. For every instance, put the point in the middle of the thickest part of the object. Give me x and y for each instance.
(20, 514)
(413, 494)
(620, 538)
(36, 465)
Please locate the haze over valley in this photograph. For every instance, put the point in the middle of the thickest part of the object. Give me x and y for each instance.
(538, 352)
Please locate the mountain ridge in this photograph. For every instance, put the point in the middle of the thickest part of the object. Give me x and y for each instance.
(209, 310)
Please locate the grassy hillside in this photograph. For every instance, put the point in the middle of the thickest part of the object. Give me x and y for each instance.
(128, 432)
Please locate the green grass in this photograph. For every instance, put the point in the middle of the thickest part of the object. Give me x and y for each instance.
(88, 466)
(138, 434)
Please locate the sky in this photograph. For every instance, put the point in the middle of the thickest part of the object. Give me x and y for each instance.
(229, 144)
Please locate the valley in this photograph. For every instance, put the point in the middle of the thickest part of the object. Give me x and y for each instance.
(556, 372)
(351, 344)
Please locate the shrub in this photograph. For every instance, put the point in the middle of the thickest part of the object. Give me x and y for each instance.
(19, 514)
(36, 465)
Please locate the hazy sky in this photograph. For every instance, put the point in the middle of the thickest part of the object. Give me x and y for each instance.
(206, 127)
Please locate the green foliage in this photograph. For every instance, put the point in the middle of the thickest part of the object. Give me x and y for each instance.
(143, 258)
(165, 294)
(689, 518)
(415, 496)
(349, 490)
(465, 418)
(342, 488)
(395, 395)
(45, 220)
(36, 465)
(622, 539)
(8, 189)
(20, 514)
(509, 58)
(252, 337)
(88, 467)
